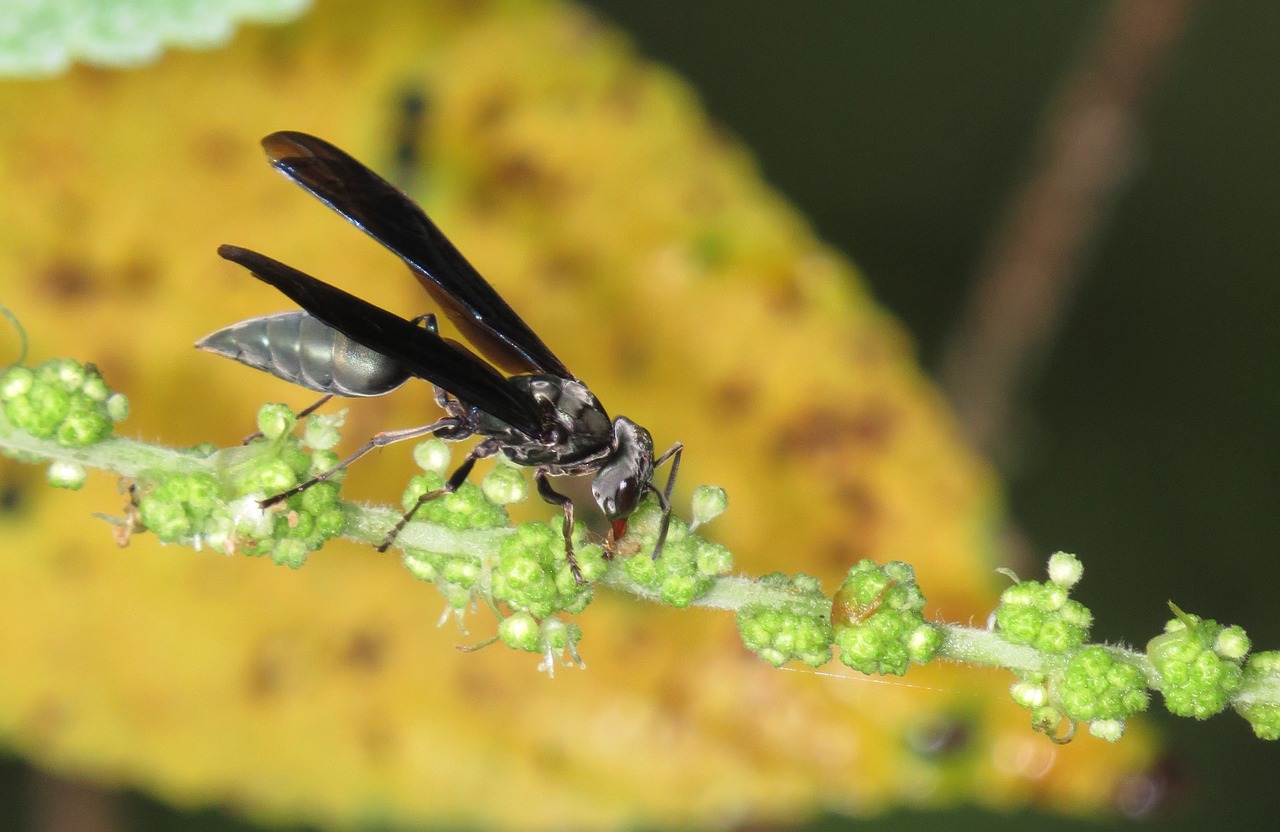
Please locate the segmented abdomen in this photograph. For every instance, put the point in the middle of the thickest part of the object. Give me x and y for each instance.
(298, 348)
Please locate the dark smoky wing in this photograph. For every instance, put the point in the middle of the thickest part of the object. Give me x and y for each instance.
(422, 353)
(391, 218)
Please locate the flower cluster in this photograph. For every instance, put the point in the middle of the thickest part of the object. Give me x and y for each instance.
(1261, 669)
(532, 573)
(876, 615)
(65, 401)
(222, 509)
(779, 634)
(687, 565)
(1102, 689)
(1199, 662)
(1043, 615)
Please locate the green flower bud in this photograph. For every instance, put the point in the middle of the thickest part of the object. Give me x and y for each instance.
(679, 590)
(17, 381)
(95, 389)
(1029, 694)
(1042, 615)
(1261, 670)
(319, 498)
(1232, 643)
(1107, 729)
(275, 420)
(433, 455)
(63, 373)
(68, 475)
(713, 560)
(323, 462)
(521, 632)
(84, 428)
(331, 523)
(778, 636)
(166, 519)
(117, 407)
(289, 552)
(323, 430)
(504, 485)
(709, 502)
(924, 643)
(419, 565)
(274, 476)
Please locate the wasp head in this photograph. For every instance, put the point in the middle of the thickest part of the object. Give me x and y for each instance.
(626, 473)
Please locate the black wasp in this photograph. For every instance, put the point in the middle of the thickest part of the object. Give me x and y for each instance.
(540, 415)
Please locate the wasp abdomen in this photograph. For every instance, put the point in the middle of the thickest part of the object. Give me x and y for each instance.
(298, 348)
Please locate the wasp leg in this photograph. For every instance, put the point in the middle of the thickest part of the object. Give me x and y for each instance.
(428, 320)
(664, 496)
(378, 440)
(456, 479)
(546, 492)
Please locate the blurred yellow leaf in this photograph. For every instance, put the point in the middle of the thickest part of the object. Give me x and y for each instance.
(640, 241)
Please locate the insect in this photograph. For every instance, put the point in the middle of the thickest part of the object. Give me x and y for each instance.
(519, 398)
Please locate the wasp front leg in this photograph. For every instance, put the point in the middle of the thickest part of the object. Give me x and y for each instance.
(546, 492)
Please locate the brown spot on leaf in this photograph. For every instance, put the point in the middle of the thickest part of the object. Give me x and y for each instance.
(631, 357)
(857, 501)
(270, 665)
(48, 718)
(139, 277)
(264, 677)
(563, 268)
(825, 430)
(378, 741)
(736, 396)
(366, 650)
(66, 281)
(784, 296)
(493, 110)
(626, 95)
(219, 150)
(478, 686)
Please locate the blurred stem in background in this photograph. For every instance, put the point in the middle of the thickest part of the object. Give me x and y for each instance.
(1085, 154)
(65, 805)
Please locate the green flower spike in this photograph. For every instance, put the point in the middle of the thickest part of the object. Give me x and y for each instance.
(687, 566)
(1098, 686)
(778, 635)
(221, 510)
(62, 400)
(1041, 614)
(876, 615)
(532, 574)
(1262, 671)
(1197, 679)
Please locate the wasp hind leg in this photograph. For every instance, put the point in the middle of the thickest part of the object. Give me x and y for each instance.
(379, 440)
(455, 481)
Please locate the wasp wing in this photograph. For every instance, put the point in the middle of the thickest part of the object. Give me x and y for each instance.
(385, 213)
(421, 352)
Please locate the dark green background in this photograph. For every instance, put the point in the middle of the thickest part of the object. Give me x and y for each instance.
(1147, 444)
